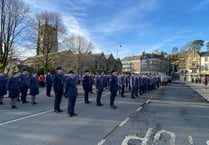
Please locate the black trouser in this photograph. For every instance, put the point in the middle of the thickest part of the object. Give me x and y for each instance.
(57, 100)
(113, 94)
(99, 95)
(24, 90)
(133, 91)
(71, 104)
(86, 96)
(48, 89)
(122, 90)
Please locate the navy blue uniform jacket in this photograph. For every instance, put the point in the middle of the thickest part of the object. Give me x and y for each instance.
(58, 82)
(113, 83)
(70, 87)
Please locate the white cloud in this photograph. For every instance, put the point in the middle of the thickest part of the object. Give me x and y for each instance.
(125, 17)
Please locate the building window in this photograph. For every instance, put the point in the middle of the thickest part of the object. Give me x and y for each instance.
(206, 59)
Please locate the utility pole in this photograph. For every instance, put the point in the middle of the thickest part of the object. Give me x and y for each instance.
(118, 46)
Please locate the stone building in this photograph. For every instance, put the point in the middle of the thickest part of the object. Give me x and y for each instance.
(189, 65)
(131, 64)
(47, 38)
(204, 63)
(111, 63)
(68, 60)
(155, 63)
(48, 55)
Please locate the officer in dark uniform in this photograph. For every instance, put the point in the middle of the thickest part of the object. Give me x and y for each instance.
(86, 86)
(133, 86)
(58, 89)
(122, 82)
(48, 84)
(113, 81)
(71, 92)
(24, 84)
(99, 83)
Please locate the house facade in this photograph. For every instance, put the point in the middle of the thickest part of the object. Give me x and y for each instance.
(131, 64)
(155, 63)
(189, 65)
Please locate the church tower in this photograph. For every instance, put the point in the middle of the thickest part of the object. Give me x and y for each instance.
(47, 38)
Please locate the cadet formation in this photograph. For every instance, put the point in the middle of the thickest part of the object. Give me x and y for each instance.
(21, 84)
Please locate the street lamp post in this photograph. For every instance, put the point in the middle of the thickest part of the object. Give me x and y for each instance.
(118, 45)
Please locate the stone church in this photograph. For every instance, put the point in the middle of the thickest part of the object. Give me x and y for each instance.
(47, 47)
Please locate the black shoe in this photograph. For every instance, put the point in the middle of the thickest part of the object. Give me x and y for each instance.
(72, 114)
(33, 103)
(133, 97)
(87, 102)
(14, 106)
(113, 107)
(25, 102)
(99, 104)
(58, 111)
(1, 103)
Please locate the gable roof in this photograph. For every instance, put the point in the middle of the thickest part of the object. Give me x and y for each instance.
(129, 58)
(206, 53)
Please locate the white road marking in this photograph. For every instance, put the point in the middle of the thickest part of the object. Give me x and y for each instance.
(140, 108)
(148, 101)
(190, 140)
(207, 142)
(31, 116)
(144, 140)
(101, 142)
(172, 135)
(124, 122)
(26, 117)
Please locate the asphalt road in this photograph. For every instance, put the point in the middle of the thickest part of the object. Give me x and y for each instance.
(39, 125)
(171, 115)
(176, 115)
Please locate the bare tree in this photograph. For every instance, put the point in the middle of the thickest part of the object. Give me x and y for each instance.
(80, 46)
(14, 20)
(49, 26)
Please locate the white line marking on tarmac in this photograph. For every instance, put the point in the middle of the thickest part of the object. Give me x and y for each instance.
(101, 142)
(148, 101)
(207, 142)
(124, 122)
(31, 116)
(172, 136)
(26, 117)
(134, 137)
(140, 108)
(190, 140)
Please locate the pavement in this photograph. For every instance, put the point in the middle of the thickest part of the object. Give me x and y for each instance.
(200, 88)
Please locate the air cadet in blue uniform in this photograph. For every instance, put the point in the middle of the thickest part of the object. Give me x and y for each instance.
(113, 82)
(122, 83)
(13, 88)
(3, 89)
(34, 88)
(99, 83)
(133, 85)
(58, 89)
(48, 84)
(70, 88)
(24, 84)
(86, 86)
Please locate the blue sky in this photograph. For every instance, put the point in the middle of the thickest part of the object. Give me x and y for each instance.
(136, 25)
